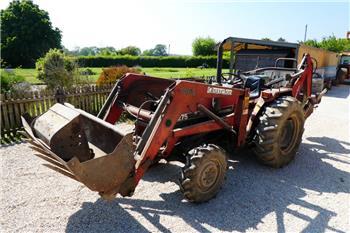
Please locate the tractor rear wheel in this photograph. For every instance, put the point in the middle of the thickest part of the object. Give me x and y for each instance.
(204, 173)
(279, 132)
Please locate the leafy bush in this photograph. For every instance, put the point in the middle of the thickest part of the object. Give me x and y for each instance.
(203, 46)
(331, 43)
(158, 50)
(87, 71)
(57, 70)
(130, 50)
(112, 74)
(9, 79)
(149, 61)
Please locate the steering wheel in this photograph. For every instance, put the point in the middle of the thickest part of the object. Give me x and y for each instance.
(235, 76)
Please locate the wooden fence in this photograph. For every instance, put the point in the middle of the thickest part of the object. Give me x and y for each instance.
(13, 105)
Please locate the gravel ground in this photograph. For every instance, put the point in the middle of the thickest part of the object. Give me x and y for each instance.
(309, 195)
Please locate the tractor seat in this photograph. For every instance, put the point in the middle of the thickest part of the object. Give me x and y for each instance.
(254, 83)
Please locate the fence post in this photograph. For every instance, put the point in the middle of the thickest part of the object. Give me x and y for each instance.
(60, 95)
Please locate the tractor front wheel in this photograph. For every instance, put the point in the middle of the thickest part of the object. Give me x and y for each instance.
(204, 173)
(279, 132)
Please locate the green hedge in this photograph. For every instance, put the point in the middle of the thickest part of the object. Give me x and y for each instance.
(148, 61)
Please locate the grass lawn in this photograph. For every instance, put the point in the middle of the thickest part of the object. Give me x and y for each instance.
(30, 74)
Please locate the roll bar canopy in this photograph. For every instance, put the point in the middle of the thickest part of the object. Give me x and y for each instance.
(235, 44)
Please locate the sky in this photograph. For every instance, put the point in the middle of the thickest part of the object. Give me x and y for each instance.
(177, 23)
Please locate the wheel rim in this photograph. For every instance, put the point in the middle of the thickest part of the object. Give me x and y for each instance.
(209, 175)
(289, 134)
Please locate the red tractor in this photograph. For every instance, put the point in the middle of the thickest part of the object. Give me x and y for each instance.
(192, 120)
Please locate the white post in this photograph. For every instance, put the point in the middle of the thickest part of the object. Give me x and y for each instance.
(305, 33)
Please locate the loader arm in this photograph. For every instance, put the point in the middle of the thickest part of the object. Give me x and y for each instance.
(304, 81)
(183, 97)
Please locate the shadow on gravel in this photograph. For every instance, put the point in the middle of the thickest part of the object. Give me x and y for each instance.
(330, 145)
(10, 139)
(250, 193)
(11, 143)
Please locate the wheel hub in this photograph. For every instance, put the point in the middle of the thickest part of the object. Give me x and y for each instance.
(209, 175)
(288, 135)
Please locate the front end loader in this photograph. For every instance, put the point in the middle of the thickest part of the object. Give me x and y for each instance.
(193, 121)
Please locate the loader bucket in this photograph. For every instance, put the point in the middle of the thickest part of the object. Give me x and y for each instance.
(83, 147)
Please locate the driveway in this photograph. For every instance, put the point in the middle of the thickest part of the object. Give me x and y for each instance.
(312, 194)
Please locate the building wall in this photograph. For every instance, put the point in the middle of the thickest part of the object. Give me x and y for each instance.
(327, 61)
(324, 57)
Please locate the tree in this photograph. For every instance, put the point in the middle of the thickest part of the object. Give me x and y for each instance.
(106, 51)
(147, 52)
(312, 43)
(331, 43)
(266, 39)
(88, 51)
(57, 70)
(158, 50)
(203, 46)
(27, 33)
(91, 51)
(281, 39)
(74, 52)
(130, 50)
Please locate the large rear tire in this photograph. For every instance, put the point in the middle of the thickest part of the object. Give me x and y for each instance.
(204, 173)
(279, 132)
